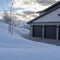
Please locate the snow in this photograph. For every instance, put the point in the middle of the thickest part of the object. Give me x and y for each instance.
(22, 31)
(15, 47)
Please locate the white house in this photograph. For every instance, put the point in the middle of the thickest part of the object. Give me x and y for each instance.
(47, 25)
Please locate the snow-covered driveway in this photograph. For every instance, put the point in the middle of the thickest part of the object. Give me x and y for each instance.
(15, 47)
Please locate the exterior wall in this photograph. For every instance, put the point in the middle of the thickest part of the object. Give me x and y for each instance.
(31, 28)
(51, 17)
(38, 23)
(57, 29)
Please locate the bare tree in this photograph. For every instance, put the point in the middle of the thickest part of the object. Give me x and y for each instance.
(8, 16)
(11, 21)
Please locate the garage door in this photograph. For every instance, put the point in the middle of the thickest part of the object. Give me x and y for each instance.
(37, 31)
(50, 31)
(59, 33)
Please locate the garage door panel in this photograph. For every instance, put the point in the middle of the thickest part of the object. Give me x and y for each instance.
(59, 33)
(50, 32)
(37, 31)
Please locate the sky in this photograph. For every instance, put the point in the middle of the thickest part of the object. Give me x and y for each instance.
(4, 4)
(22, 6)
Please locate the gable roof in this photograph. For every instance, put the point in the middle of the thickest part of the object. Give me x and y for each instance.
(47, 11)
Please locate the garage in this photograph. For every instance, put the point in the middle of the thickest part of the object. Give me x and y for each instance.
(47, 24)
(50, 31)
(37, 31)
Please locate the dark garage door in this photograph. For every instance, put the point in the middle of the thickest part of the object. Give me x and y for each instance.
(59, 33)
(50, 31)
(37, 31)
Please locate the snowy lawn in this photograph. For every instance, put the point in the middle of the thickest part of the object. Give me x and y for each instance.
(15, 47)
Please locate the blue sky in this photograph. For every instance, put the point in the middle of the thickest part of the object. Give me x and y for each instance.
(3, 4)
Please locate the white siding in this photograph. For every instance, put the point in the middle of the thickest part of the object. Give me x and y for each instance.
(51, 17)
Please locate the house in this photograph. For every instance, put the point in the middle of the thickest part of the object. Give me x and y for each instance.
(47, 25)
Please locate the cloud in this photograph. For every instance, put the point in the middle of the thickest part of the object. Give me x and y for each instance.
(32, 5)
(47, 2)
(25, 7)
(28, 5)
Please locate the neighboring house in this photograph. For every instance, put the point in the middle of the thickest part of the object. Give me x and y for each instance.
(47, 25)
